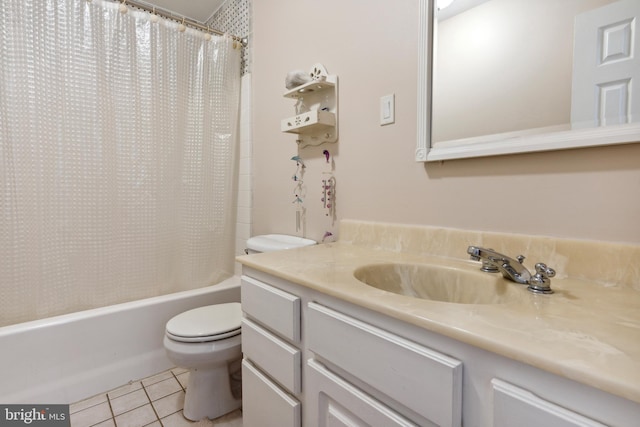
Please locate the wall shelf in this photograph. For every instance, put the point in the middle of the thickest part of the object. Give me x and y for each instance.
(316, 118)
(309, 122)
(305, 89)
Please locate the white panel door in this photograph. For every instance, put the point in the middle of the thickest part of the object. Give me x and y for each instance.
(513, 406)
(334, 402)
(606, 70)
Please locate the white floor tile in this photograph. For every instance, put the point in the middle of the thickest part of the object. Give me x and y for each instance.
(127, 402)
(184, 379)
(127, 388)
(178, 420)
(169, 404)
(178, 371)
(137, 418)
(234, 419)
(87, 403)
(157, 378)
(163, 388)
(91, 416)
(108, 423)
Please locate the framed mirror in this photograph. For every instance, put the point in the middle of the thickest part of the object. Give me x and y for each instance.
(512, 76)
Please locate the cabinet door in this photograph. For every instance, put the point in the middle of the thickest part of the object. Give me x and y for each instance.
(513, 406)
(425, 381)
(264, 404)
(333, 402)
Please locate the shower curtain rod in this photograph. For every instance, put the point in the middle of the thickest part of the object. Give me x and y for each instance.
(181, 19)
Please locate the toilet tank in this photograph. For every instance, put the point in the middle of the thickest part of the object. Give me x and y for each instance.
(276, 242)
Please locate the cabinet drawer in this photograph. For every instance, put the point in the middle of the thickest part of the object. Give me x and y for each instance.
(515, 406)
(339, 403)
(264, 404)
(272, 355)
(274, 308)
(425, 381)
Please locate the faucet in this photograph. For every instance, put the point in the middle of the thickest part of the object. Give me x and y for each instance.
(493, 262)
(513, 269)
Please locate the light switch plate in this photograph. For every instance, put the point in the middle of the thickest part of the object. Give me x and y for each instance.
(387, 109)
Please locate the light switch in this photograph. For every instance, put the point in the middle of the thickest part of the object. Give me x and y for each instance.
(387, 109)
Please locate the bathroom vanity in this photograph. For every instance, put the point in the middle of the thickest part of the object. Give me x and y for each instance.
(322, 348)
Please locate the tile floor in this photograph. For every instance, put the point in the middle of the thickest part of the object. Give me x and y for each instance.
(156, 401)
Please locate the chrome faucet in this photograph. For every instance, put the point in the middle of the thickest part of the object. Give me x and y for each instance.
(493, 262)
(513, 269)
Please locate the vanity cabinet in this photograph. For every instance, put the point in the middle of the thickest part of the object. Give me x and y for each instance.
(355, 373)
(311, 359)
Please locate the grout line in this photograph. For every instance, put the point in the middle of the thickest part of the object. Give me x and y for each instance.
(113, 415)
(184, 389)
(88, 407)
(153, 408)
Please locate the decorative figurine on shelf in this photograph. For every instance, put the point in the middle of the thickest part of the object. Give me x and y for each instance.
(296, 78)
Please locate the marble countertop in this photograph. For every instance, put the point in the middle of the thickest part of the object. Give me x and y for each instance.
(585, 331)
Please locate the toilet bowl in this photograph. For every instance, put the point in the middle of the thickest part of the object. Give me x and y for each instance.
(206, 340)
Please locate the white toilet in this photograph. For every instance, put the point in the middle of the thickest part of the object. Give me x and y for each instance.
(206, 340)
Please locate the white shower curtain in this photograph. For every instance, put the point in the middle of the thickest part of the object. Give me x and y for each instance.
(117, 157)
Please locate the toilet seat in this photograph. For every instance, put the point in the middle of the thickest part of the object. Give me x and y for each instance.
(203, 324)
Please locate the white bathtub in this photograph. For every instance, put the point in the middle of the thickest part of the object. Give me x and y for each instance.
(67, 358)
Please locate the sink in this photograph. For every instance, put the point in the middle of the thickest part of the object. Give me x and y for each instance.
(438, 283)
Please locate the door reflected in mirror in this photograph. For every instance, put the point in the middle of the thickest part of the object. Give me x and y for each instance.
(508, 68)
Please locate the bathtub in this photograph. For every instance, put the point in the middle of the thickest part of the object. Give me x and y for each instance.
(68, 358)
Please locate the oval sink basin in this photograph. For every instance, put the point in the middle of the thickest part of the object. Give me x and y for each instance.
(439, 283)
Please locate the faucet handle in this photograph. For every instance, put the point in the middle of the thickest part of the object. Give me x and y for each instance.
(474, 253)
(540, 282)
(544, 271)
(488, 265)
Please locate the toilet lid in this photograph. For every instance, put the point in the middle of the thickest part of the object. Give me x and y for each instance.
(277, 242)
(207, 323)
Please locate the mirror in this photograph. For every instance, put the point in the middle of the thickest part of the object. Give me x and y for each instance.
(513, 76)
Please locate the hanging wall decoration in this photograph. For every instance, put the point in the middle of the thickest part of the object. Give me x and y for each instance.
(299, 191)
(329, 195)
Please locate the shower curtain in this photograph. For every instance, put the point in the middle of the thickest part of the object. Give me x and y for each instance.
(117, 157)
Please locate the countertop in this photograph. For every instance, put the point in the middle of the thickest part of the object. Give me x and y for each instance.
(585, 331)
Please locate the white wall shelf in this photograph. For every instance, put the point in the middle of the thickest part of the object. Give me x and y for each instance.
(316, 118)
(312, 86)
(310, 122)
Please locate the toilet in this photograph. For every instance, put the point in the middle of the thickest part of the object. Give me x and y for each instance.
(206, 340)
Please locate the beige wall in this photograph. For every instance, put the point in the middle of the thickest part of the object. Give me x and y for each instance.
(371, 45)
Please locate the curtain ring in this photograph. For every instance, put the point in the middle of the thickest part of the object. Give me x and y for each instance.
(154, 17)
